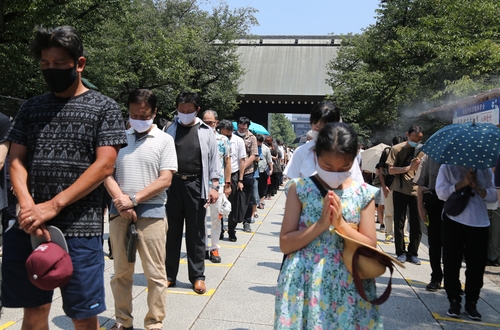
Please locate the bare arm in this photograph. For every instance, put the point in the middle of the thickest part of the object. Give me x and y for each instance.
(227, 169)
(401, 170)
(366, 232)
(4, 149)
(293, 238)
(19, 175)
(248, 161)
(123, 201)
(32, 216)
(420, 199)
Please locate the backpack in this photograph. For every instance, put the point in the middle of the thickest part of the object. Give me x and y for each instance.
(388, 178)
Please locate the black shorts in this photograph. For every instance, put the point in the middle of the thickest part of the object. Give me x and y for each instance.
(83, 296)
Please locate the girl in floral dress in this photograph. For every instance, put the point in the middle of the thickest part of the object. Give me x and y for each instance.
(315, 290)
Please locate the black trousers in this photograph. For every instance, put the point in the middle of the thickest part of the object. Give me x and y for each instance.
(184, 204)
(239, 199)
(460, 240)
(401, 203)
(434, 232)
(263, 184)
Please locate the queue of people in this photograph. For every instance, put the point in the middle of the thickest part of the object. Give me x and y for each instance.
(188, 166)
(64, 144)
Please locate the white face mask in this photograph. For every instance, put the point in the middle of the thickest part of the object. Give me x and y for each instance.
(186, 119)
(314, 135)
(140, 126)
(241, 134)
(332, 179)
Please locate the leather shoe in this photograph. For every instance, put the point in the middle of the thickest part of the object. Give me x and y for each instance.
(118, 326)
(171, 284)
(199, 287)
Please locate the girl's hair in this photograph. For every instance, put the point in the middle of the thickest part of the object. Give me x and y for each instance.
(325, 112)
(339, 138)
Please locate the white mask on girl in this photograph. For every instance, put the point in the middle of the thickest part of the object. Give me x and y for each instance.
(332, 179)
(140, 126)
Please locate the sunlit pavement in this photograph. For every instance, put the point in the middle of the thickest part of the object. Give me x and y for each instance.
(240, 290)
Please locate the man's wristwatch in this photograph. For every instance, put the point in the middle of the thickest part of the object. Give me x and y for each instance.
(240, 181)
(216, 188)
(134, 201)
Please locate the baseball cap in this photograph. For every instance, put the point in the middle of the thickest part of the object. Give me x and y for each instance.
(49, 265)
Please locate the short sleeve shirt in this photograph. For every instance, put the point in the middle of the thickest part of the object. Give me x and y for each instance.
(61, 136)
(139, 163)
(403, 183)
(224, 153)
(251, 149)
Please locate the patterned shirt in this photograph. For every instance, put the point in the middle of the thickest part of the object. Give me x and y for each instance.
(251, 149)
(61, 136)
(224, 152)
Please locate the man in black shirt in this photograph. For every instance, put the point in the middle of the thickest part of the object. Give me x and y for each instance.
(63, 145)
(190, 192)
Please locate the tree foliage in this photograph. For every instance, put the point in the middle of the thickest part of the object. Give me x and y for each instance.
(163, 45)
(419, 54)
(281, 128)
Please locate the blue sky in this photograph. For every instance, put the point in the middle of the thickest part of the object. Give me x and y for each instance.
(306, 17)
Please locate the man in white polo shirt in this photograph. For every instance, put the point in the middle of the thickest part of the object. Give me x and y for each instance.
(143, 171)
(238, 157)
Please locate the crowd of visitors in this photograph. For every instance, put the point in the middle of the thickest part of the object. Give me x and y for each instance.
(65, 148)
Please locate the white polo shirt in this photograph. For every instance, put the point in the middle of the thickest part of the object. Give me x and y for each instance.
(140, 162)
(238, 152)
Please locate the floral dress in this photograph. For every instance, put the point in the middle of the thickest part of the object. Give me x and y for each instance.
(315, 290)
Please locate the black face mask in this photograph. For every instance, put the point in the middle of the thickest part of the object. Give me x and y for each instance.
(60, 80)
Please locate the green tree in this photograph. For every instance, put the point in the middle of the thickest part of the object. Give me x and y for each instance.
(19, 73)
(281, 128)
(163, 45)
(419, 54)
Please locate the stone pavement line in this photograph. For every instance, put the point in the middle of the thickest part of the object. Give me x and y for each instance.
(451, 319)
(433, 304)
(6, 325)
(202, 317)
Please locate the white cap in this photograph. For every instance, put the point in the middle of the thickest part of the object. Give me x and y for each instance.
(56, 236)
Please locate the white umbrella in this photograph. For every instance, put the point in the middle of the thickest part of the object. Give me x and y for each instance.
(370, 157)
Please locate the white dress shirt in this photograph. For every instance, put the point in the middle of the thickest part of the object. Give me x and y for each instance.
(303, 164)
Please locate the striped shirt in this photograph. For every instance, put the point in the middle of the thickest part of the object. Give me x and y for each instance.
(140, 162)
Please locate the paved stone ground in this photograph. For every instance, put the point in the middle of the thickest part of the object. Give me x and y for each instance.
(241, 290)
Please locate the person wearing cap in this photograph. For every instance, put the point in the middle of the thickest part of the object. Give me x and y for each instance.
(143, 171)
(194, 187)
(63, 146)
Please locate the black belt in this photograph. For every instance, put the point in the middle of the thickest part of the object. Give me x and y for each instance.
(187, 177)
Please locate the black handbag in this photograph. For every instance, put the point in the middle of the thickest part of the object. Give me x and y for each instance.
(131, 242)
(456, 203)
